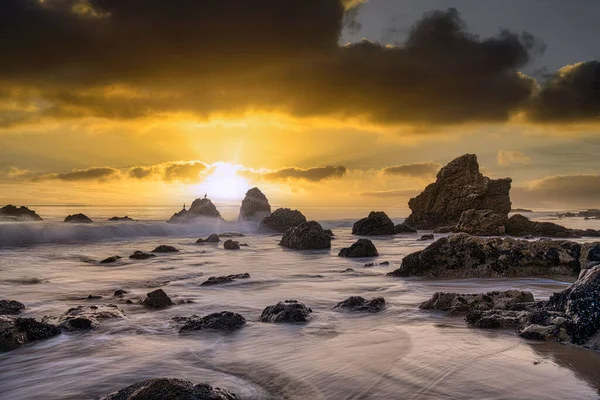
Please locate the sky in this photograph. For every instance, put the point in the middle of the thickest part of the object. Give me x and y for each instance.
(320, 103)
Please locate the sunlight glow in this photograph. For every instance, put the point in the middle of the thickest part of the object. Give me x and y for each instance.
(222, 183)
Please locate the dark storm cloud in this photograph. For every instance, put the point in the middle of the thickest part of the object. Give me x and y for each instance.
(416, 170)
(89, 174)
(311, 174)
(140, 172)
(231, 56)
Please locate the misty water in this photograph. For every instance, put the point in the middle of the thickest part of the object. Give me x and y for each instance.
(399, 353)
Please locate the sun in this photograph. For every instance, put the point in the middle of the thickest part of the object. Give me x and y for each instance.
(223, 183)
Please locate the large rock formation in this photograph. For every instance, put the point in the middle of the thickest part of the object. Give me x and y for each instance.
(459, 187)
(281, 220)
(16, 332)
(200, 208)
(170, 388)
(466, 256)
(255, 206)
(377, 223)
(306, 236)
(13, 213)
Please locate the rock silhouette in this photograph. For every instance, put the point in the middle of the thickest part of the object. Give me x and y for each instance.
(13, 213)
(200, 208)
(255, 206)
(377, 223)
(78, 219)
(281, 220)
(362, 248)
(306, 236)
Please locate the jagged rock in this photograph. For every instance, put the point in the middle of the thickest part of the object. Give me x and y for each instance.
(214, 238)
(306, 236)
(16, 332)
(85, 317)
(11, 307)
(255, 206)
(165, 249)
(231, 245)
(457, 303)
(403, 228)
(459, 187)
(140, 255)
(170, 389)
(518, 225)
(362, 248)
(481, 223)
(281, 220)
(494, 319)
(222, 321)
(121, 219)
(13, 213)
(110, 260)
(200, 208)
(466, 256)
(377, 223)
(358, 303)
(428, 236)
(286, 311)
(78, 219)
(157, 299)
(218, 280)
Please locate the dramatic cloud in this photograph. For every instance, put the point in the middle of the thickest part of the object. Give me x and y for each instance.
(416, 170)
(566, 191)
(310, 174)
(183, 171)
(509, 157)
(89, 174)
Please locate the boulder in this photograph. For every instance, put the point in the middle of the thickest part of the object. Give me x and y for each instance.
(255, 206)
(518, 225)
(377, 223)
(362, 248)
(281, 220)
(404, 229)
(85, 317)
(219, 280)
(286, 311)
(357, 303)
(16, 332)
(11, 307)
(140, 255)
(231, 245)
(221, 321)
(120, 293)
(110, 260)
(466, 256)
(78, 219)
(200, 208)
(165, 249)
(157, 299)
(481, 223)
(306, 236)
(427, 236)
(214, 238)
(457, 303)
(230, 235)
(121, 219)
(459, 187)
(170, 389)
(13, 213)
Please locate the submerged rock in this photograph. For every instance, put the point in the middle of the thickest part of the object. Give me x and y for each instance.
(459, 187)
(170, 389)
(286, 311)
(358, 303)
(281, 220)
(218, 280)
(78, 219)
(306, 236)
(377, 223)
(213, 238)
(140, 255)
(120, 293)
(200, 208)
(13, 213)
(231, 245)
(11, 307)
(16, 332)
(255, 206)
(427, 236)
(121, 219)
(110, 260)
(85, 317)
(165, 249)
(221, 321)
(230, 235)
(374, 264)
(362, 248)
(157, 299)
(403, 229)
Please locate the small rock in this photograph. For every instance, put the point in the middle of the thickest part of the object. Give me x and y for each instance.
(362, 248)
(286, 311)
(231, 245)
(140, 255)
(222, 321)
(157, 299)
(306, 236)
(85, 317)
(369, 265)
(165, 249)
(358, 303)
(348, 270)
(230, 234)
(121, 219)
(110, 260)
(428, 236)
(214, 238)
(78, 219)
(170, 389)
(93, 297)
(120, 293)
(11, 307)
(218, 280)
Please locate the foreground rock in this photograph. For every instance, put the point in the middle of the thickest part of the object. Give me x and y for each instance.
(157, 299)
(110, 260)
(456, 303)
(11, 307)
(281, 220)
(121, 219)
(459, 187)
(85, 317)
(13, 213)
(219, 280)
(140, 255)
(16, 332)
(362, 248)
(306, 236)
(286, 311)
(358, 303)
(78, 219)
(165, 249)
(404, 229)
(255, 206)
(466, 256)
(377, 223)
(518, 225)
(170, 389)
(231, 245)
(200, 208)
(222, 321)
(213, 238)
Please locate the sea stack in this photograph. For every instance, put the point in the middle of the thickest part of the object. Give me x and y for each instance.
(200, 208)
(255, 206)
(13, 213)
(281, 220)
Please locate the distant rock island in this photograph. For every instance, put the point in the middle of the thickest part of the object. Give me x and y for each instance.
(255, 206)
(200, 208)
(121, 219)
(78, 219)
(516, 210)
(14, 213)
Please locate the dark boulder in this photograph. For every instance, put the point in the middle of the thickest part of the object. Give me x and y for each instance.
(255, 206)
(281, 220)
(286, 311)
(213, 238)
(110, 260)
(78, 219)
(165, 249)
(481, 223)
(85, 317)
(157, 299)
(362, 248)
(140, 255)
(231, 235)
(374, 264)
(231, 245)
(306, 236)
(13, 213)
(357, 303)
(16, 332)
(200, 208)
(170, 389)
(457, 303)
(219, 280)
(518, 225)
(404, 229)
(11, 307)
(120, 293)
(377, 223)
(221, 321)
(427, 236)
